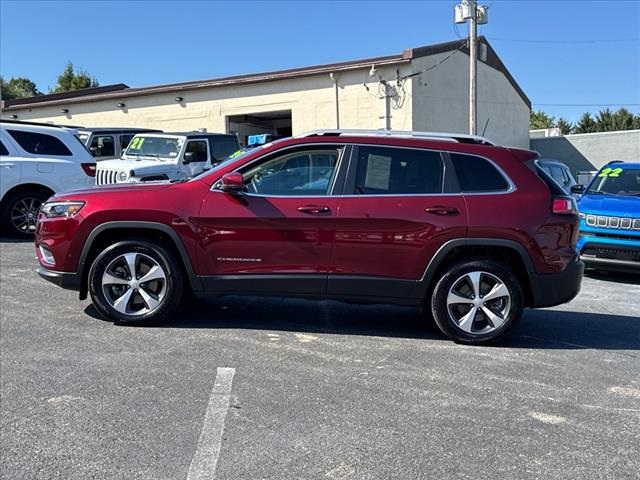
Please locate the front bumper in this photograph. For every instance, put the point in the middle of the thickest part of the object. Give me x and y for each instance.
(614, 257)
(67, 280)
(551, 289)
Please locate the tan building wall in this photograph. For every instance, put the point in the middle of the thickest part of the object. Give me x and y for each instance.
(311, 101)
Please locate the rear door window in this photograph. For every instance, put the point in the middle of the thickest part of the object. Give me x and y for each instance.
(397, 171)
(477, 174)
(40, 143)
(3, 149)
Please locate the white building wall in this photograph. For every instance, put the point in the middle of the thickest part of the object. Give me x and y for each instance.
(442, 104)
(310, 99)
(590, 151)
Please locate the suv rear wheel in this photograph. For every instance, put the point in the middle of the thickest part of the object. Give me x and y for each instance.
(135, 282)
(477, 302)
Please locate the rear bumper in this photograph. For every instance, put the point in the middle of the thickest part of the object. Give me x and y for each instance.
(551, 289)
(67, 280)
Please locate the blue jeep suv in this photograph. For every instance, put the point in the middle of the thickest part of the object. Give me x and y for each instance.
(609, 236)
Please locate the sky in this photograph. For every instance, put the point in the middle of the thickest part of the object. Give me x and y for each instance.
(568, 56)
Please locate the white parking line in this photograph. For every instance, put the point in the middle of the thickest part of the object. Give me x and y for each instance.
(204, 462)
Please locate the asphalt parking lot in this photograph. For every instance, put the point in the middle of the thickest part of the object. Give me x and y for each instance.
(250, 388)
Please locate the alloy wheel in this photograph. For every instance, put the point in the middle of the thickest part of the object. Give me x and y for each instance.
(24, 214)
(478, 302)
(134, 284)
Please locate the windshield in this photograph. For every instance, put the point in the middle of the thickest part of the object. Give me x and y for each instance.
(617, 181)
(243, 152)
(157, 147)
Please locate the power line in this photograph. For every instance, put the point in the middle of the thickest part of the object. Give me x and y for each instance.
(523, 40)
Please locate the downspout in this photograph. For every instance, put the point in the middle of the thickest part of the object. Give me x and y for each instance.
(335, 85)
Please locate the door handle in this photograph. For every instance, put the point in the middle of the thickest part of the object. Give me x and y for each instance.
(442, 210)
(314, 209)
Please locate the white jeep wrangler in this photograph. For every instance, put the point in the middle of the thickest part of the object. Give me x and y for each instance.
(166, 156)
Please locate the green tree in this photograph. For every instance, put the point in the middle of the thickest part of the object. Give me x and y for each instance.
(540, 119)
(605, 121)
(18, 87)
(71, 80)
(622, 119)
(565, 126)
(586, 124)
(636, 122)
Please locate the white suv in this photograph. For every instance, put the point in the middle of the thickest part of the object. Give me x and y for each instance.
(167, 156)
(37, 161)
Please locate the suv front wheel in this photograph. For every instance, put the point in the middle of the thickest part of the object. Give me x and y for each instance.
(477, 302)
(135, 282)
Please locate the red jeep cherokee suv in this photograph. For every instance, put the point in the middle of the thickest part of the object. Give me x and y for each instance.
(472, 231)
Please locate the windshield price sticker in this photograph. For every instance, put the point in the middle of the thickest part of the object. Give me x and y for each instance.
(136, 143)
(610, 172)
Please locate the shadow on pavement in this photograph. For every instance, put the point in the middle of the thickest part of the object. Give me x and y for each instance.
(4, 239)
(539, 329)
(615, 277)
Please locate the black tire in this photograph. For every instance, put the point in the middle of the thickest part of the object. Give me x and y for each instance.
(20, 212)
(506, 310)
(135, 310)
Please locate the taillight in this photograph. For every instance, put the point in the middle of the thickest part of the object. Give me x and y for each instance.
(89, 169)
(564, 206)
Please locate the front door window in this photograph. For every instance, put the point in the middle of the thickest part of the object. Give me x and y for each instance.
(307, 173)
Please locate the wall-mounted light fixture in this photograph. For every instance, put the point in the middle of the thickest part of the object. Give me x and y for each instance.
(13, 117)
(64, 110)
(178, 99)
(120, 105)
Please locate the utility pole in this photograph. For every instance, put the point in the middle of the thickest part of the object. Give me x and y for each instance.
(469, 10)
(473, 64)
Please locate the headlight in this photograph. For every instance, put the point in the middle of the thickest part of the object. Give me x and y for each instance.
(61, 209)
(123, 177)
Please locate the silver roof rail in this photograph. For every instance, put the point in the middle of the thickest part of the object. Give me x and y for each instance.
(441, 136)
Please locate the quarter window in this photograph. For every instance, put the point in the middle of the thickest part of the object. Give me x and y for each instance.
(3, 149)
(39, 143)
(306, 173)
(398, 171)
(476, 174)
(102, 146)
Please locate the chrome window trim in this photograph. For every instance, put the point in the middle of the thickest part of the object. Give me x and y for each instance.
(512, 187)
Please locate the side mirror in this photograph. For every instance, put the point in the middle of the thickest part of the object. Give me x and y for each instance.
(189, 157)
(578, 189)
(95, 151)
(232, 183)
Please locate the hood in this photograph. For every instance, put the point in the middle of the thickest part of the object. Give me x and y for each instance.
(145, 165)
(114, 188)
(612, 205)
